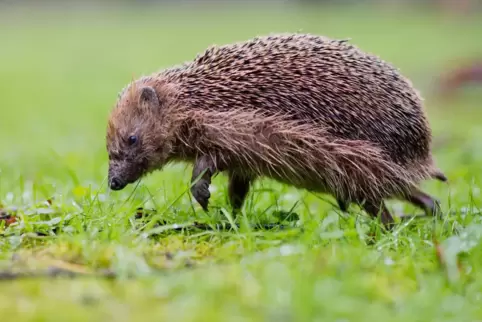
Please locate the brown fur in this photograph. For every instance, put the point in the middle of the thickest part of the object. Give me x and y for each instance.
(305, 110)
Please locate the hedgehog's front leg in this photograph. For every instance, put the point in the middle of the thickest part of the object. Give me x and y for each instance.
(204, 168)
(376, 209)
(238, 188)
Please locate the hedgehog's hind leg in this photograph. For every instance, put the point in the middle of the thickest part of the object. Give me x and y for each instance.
(379, 209)
(342, 204)
(238, 188)
(429, 204)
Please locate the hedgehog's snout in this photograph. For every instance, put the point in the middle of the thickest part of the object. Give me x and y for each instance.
(116, 180)
(122, 173)
(119, 176)
(116, 184)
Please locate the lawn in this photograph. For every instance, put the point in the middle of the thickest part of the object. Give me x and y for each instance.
(60, 72)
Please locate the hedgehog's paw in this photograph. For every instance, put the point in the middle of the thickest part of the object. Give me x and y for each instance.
(200, 192)
(429, 204)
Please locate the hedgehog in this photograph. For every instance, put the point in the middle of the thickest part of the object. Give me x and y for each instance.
(304, 110)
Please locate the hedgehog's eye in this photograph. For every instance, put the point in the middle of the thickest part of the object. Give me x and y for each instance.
(132, 139)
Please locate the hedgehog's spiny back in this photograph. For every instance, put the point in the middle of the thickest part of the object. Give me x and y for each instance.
(326, 82)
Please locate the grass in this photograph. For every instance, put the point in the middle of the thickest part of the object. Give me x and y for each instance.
(60, 73)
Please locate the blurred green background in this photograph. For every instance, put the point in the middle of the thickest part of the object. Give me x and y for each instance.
(62, 65)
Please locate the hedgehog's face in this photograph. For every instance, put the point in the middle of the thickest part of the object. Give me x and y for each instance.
(136, 144)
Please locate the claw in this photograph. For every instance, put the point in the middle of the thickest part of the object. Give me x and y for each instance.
(201, 193)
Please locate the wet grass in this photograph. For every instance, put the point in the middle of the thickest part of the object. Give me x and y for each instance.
(59, 76)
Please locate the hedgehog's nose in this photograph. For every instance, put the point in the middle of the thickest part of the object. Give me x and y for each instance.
(116, 184)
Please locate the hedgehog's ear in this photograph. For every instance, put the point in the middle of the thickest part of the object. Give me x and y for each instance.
(149, 98)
